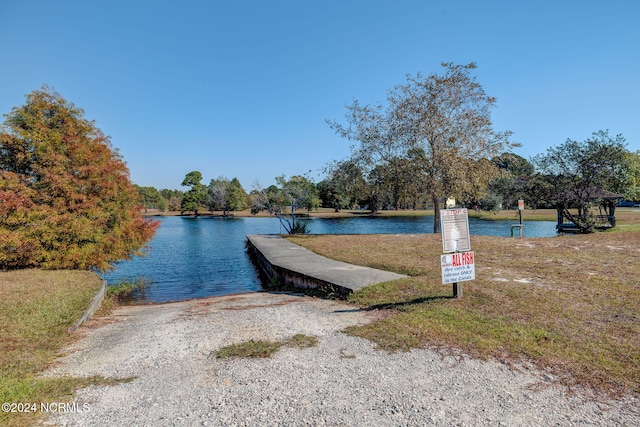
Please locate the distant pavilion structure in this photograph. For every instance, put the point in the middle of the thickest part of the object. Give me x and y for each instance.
(606, 201)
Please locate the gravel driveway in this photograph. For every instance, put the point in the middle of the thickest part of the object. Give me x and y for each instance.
(343, 381)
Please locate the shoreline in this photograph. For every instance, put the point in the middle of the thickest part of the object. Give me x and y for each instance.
(327, 213)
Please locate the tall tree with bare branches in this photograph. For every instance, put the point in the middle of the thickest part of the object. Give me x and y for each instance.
(445, 117)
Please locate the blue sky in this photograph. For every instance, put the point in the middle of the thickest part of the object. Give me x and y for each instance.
(243, 88)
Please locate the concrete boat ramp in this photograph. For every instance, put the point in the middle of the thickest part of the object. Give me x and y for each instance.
(288, 265)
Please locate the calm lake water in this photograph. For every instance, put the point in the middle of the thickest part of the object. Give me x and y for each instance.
(201, 257)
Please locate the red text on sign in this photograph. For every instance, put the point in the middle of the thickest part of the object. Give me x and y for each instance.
(464, 258)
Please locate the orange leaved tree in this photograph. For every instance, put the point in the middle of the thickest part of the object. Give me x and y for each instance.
(66, 199)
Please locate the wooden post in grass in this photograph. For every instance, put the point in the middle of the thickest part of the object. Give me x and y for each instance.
(457, 290)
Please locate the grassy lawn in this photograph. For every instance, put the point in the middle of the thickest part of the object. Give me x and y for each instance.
(626, 217)
(36, 310)
(569, 304)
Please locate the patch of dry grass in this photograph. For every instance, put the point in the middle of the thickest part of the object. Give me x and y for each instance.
(624, 216)
(513, 215)
(568, 304)
(36, 310)
(263, 348)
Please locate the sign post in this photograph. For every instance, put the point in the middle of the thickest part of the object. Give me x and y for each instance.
(520, 209)
(459, 264)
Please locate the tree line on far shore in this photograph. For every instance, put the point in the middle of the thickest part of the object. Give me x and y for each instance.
(601, 161)
(431, 141)
(66, 199)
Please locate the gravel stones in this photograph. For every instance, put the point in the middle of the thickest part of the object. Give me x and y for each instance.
(343, 381)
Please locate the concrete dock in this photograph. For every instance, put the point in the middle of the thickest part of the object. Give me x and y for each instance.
(290, 265)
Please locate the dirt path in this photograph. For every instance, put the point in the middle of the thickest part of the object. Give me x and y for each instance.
(342, 381)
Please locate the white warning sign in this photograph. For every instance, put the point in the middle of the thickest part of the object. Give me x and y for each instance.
(458, 267)
(454, 225)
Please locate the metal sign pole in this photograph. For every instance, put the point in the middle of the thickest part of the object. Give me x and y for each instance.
(520, 210)
(457, 287)
(521, 224)
(457, 290)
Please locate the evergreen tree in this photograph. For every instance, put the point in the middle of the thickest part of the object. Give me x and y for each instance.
(66, 200)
